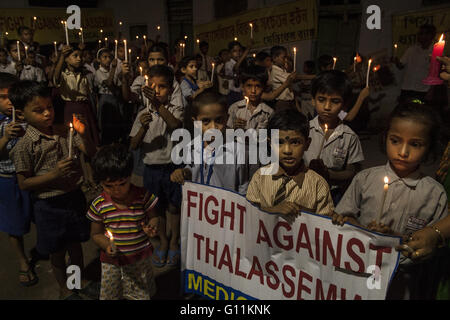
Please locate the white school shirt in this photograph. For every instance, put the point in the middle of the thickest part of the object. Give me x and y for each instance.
(256, 120)
(417, 63)
(8, 68)
(156, 144)
(411, 204)
(230, 72)
(32, 73)
(342, 147)
(102, 75)
(277, 76)
(90, 67)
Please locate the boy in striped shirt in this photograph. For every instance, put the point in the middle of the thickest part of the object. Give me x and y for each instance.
(123, 219)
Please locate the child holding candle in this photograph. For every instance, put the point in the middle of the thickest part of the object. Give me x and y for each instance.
(127, 213)
(44, 169)
(278, 75)
(5, 65)
(190, 88)
(15, 210)
(202, 75)
(231, 72)
(413, 200)
(340, 158)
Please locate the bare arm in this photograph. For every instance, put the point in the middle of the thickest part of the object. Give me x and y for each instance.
(97, 234)
(268, 96)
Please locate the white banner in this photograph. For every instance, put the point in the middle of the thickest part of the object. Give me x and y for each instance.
(232, 250)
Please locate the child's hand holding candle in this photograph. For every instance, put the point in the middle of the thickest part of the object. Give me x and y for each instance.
(112, 249)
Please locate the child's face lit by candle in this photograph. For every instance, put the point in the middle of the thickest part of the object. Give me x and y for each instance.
(253, 89)
(121, 53)
(13, 52)
(407, 142)
(328, 107)
(212, 116)
(118, 190)
(236, 52)
(39, 113)
(105, 59)
(6, 106)
(161, 87)
(155, 58)
(74, 59)
(292, 146)
(191, 69)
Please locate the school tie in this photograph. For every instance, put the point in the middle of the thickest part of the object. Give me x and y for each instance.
(281, 193)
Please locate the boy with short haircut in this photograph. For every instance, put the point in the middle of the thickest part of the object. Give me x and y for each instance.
(293, 188)
(190, 88)
(44, 168)
(231, 73)
(211, 110)
(278, 75)
(23, 70)
(15, 213)
(251, 113)
(339, 159)
(202, 75)
(151, 133)
(126, 213)
(5, 65)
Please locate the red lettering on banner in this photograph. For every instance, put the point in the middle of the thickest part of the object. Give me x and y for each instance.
(303, 232)
(215, 213)
(257, 270)
(238, 262)
(190, 203)
(212, 252)
(317, 242)
(263, 235)
(242, 211)
(328, 245)
(199, 240)
(273, 275)
(289, 244)
(228, 214)
(331, 294)
(301, 287)
(354, 256)
(380, 251)
(289, 282)
(225, 259)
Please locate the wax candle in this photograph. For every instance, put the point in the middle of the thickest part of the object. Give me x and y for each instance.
(111, 242)
(34, 22)
(140, 69)
(115, 49)
(129, 53)
(26, 52)
(334, 62)
(247, 100)
(395, 50)
(251, 30)
(323, 140)
(56, 49)
(198, 44)
(82, 35)
(146, 101)
(18, 50)
(13, 114)
(235, 38)
(125, 47)
(212, 73)
(354, 64)
(385, 190)
(70, 140)
(435, 66)
(106, 42)
(368, 72)
(295, 59)
(67, 32)
(145, 41)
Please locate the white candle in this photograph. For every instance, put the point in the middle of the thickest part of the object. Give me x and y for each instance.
(67, 32)
(354, 64)
(115, 49)
(295, 58)
(198, 44)
(247, 100)
(235, 38)
(323, 140)
(212, 73)
(145, 41)
(125, 47)
(111, 242)
(106, 42)
(368, 72)
(26, 52)
(395, 50)
(18, 50)
(34, 22)
(13, 114)
(146, 101)
(56, 49)
(140, 69)
(385, 190)
(334, 62)
(81, 33)
(129, 52)
(70, 140)
(251, 31)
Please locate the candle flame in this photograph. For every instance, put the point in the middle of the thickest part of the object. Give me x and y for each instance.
(137, 37)
(295, 49)
(120, 22)
(145, 37)
(129, 50)
(212, 64)
(254, 55)
(198, 40)
(81, 29)
(146, 77)
(158, 27)
(124, 41)
(441, 38)
(54, 42)
(251, 25)
(106, 39)
(354, 58)
(386, 180)
(71, 126)
(110, 235)
(395, 46)
(334, 58)
(326, 127)
(115, 41)
(34, 18)
(235, 38)
(185, 37)
(246, 99)
(140, 68)
(101, 30)
(370, 61)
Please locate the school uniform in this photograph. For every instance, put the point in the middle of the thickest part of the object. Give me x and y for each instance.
(32, 73)
(188, 87)
(222, 83)
(307, 189)
(155, 150)
(256, 120)
(202, 75)
(235, 93)
(277, 76)
(411, 204)
(58, 208)
(15, 209)
(206, 63)
(8, 68)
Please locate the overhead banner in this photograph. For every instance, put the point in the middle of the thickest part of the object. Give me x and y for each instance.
(291, 22)
(232, 250)
(48, 28)
(406, 25)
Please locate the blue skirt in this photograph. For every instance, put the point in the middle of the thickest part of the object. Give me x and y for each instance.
(15, 208)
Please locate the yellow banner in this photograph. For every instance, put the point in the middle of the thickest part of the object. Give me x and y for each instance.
(405, 26)
(48, 27)
(291, 22)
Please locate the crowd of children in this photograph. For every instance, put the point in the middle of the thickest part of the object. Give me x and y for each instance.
(104, 120)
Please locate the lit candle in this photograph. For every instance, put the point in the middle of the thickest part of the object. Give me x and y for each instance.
(99, 43)
(70, 140)
(247, 100)
(34, 22)
(235, 38)
(26, 52)
(334, 62)
(395, 50)
(111, 242)
(368, 72)
(67, 32)
(251, 31)
(13, 114)
(435, 65)
(82, 36)
(295, 58)
(354, 64)
(146, 101)
(198, 44)
(140, 69)
(212, 73)
(129, 53)
(385, 190)
(125, 46)
(56, 49)
(145, 40)
(254, 55)
(106, 42)
(18, 50)
(323, 140)
(115, 49)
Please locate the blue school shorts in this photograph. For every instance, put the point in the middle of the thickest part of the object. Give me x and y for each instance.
(157, 181)
(15, 207)
(61, 221)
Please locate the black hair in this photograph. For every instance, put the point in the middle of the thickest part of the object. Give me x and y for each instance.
(289, 119)
(162, 71)
(112, 162)
(324, 61)
(424, 114)
(205, 98)
(23, 92)
(232, 44)
(13, 44)
(332, 82)
(7, 80)
(275, 51)
(261, 56)
(159, 48)
(22, 29)
(4, 50)
(185, 61)
(203, 44)
(254, 72)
